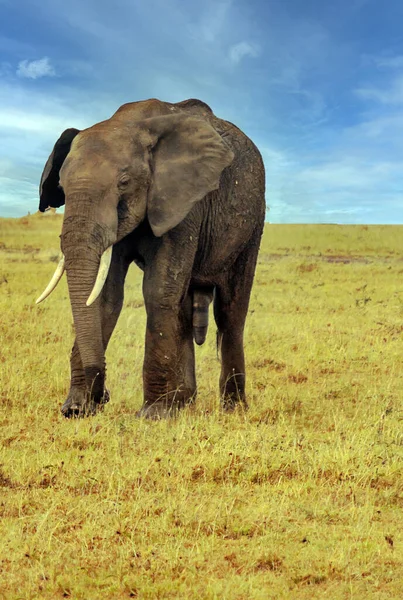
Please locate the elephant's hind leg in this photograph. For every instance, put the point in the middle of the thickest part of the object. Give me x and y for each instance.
(230, 309)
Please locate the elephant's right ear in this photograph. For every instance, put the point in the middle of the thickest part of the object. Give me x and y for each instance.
(50, 192)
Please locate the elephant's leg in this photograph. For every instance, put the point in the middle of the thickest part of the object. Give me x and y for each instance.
(169, 365)
(79, 401)
(230, 309)
(77, 393)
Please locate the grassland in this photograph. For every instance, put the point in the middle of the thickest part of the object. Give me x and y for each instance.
(301, 497)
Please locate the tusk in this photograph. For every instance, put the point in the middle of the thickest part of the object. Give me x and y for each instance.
(103, 270)
(54, 281)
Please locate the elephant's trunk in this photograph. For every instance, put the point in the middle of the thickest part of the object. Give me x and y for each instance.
(83, 250)
(87, 321)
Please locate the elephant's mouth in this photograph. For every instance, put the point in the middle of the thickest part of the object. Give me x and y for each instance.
(103, 271)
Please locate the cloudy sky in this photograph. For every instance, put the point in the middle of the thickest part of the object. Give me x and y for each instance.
(317, 85)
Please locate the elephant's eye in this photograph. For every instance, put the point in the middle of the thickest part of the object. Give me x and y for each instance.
(124, 182)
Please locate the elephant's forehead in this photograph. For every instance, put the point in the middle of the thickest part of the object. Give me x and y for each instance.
(87, 140)
(145, 109)
(89, 151)
(103, 139)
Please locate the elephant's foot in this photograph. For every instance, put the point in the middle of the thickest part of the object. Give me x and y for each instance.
(157, 411)
(78, 404)
(230, 402)
(166, 409)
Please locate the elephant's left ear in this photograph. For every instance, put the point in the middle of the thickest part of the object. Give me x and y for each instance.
(189, 157)
(50, 192)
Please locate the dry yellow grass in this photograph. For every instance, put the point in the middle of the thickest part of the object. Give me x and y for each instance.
(299, 498)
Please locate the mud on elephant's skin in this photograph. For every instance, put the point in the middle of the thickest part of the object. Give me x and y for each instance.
(179, 192)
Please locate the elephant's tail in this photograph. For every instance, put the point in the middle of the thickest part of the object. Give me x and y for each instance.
(202, 298)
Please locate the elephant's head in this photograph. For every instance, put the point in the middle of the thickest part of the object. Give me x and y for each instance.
(113, 176)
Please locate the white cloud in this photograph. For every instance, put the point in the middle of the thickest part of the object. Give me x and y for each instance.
(35, 69)
(392, 94)
(347, 174)
(32, 122)
(386, 128)
(391, 62)
(242, 49)
(384, 62)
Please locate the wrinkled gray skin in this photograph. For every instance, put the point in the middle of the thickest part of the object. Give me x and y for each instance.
(181, 193)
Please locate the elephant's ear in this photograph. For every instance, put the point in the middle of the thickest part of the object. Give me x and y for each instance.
(189, 157)
(50, 192)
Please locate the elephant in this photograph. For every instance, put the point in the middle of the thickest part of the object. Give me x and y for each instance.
(181, 193)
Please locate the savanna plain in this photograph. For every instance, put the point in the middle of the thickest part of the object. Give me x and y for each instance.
(299, 497)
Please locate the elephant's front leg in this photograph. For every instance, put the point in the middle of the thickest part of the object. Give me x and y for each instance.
(75, 401)
(169, 364)
(79, 402)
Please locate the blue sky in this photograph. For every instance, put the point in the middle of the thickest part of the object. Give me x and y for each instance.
(317, 85)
